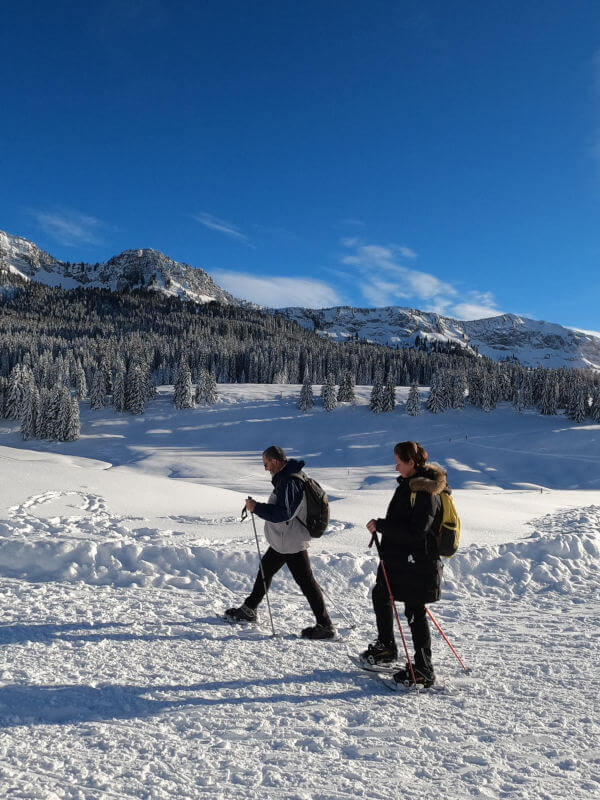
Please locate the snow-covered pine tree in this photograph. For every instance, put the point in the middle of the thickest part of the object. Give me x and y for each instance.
(134, 390)
(518, 403)
(595, 408)
(388, 398)
(475, 382)
(438, 394)
(80, 382)
(14, 394)
(3, 390)
(183, 396)
(413, 403)
(73, 429)
(577, 408)
(29, 421)
(281, 376)
(306, 401)
(52, 424)
(64, 414)
(328, 394)
(490, 392)
(346, 392)
(98, 390)
(527, 389)
(42, 425)
(206, 389)
(212, 395)
(549, 395)
(376, 401)
(119, 388)
(458, 389)
(149, 384)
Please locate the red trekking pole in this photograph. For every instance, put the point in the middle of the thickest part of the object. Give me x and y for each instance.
(435, 622)
(375, 540)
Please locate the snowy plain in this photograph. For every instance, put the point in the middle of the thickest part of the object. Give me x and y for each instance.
(119, 552)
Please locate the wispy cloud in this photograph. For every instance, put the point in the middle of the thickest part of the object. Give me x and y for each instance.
(407, 252)
(385, 280)
(222, 226)
(277, 292)
(352, 222)
(70, 228)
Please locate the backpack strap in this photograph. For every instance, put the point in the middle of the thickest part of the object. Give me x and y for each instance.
(302, 477)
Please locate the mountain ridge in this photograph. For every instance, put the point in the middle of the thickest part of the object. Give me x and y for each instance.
(506, 336)
(128, 270)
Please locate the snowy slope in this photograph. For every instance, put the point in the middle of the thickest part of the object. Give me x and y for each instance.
(531, 342)
(118, 553)
(130, 269)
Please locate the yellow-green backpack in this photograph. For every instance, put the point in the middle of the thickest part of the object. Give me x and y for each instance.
(446, 526)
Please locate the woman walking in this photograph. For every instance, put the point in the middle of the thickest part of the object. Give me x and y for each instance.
(409, 552)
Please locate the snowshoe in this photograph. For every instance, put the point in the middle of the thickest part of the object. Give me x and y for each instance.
(423, 677)
(242, 614)
(379, 653)
(318, 632)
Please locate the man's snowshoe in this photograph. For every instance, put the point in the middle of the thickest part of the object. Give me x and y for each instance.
(380, 653)
(242, 614)
(318, 632)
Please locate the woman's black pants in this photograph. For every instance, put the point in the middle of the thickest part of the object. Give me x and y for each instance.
(417, 620)
(299, 565)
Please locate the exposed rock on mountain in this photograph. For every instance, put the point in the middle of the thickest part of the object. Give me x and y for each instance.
(530, 341)
(129, 270)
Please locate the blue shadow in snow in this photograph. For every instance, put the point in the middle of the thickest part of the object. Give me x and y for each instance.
(22, 705)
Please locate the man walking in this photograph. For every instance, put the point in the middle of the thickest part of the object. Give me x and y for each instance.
(285, 530)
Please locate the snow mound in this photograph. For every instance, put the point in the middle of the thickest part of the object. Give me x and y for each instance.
(97, 548)
(562, 555)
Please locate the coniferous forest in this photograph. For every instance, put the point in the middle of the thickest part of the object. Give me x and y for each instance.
(114, 348)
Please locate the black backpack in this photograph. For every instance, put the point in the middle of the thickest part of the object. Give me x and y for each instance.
(317, 506)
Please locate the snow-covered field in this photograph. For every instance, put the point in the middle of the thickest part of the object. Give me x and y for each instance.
(119, 552)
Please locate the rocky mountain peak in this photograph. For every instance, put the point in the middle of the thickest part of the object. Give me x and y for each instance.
(128, 270)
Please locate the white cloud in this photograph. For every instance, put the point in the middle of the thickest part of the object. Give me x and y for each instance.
(407, 252)
(468, 311)
(70, 228)
(277, 292)
(221, 226)
(476, 305)
(385, 281)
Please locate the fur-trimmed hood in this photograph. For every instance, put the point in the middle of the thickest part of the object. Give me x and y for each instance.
(431, 478)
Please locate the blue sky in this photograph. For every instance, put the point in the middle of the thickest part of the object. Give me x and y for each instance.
(443, 156)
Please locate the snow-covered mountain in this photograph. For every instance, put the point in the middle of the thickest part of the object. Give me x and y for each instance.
(531, 342)
(130, 269)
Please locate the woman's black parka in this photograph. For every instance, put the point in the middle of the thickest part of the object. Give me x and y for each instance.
(408, 545)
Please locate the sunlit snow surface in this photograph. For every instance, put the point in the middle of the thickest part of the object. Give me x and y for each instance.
(119, 552)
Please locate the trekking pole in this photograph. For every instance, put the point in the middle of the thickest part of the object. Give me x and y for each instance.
(435, 622)
(244, 515)
(375, 540)
(350, 620)
(348, 617)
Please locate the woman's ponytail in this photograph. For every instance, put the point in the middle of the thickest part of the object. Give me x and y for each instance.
(411, 451)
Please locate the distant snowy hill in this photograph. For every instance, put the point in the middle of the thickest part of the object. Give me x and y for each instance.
(130, 269)
(531, 342)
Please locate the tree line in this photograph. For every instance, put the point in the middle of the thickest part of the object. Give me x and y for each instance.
(59, 347)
